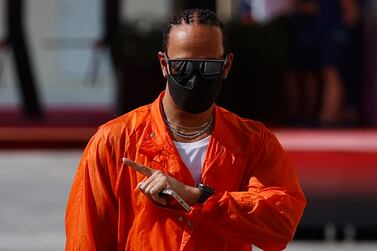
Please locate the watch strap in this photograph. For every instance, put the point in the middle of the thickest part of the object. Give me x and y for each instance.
(206, 192)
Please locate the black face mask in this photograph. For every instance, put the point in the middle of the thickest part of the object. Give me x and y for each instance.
(195, 94)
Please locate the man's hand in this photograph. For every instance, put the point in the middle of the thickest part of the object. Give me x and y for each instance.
(157, 181)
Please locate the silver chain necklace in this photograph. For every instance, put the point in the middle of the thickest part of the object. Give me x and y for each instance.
(190, 135)
(187, 135)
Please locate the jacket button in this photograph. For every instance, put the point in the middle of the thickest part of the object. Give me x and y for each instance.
(151, 135)
(189, 223)
(180, 218)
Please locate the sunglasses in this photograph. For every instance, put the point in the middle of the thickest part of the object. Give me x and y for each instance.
(183, 68)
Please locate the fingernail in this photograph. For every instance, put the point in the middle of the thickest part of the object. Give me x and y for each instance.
(140, 185)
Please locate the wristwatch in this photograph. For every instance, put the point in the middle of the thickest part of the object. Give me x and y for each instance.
(206, 192)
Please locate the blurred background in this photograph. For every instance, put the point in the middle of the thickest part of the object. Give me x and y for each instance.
(306, 68)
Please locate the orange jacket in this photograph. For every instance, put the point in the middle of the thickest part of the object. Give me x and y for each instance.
(258, 199)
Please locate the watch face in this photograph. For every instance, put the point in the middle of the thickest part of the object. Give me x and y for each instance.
(206, 188)
(200, 186)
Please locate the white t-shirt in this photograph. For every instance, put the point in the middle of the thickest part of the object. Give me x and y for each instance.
(193, 155)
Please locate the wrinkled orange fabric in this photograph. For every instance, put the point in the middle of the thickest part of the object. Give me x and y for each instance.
(258, 198)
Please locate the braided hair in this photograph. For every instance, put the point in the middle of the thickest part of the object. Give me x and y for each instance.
(197, 16)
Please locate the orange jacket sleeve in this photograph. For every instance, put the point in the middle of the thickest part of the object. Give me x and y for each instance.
(268, 211)
(91, 215)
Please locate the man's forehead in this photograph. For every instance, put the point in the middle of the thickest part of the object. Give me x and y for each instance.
(195, 40)
(195, 27)
(195, 32)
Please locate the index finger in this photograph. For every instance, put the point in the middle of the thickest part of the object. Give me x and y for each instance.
(147, 171)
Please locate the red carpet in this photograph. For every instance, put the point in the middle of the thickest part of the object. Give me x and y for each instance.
(59, 128)
(333, 162)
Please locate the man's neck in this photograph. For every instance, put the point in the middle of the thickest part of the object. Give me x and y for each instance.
(177, 116)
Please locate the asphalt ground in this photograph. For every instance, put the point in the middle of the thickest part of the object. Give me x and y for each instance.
(34, 187)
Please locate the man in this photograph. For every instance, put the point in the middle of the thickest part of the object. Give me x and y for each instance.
(246, 191)
(16, 39)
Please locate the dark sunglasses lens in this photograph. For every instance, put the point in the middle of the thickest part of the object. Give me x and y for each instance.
(212, 68)
(180, 68)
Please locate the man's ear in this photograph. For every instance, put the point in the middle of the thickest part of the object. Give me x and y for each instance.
(163, 65)
(228, 64)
